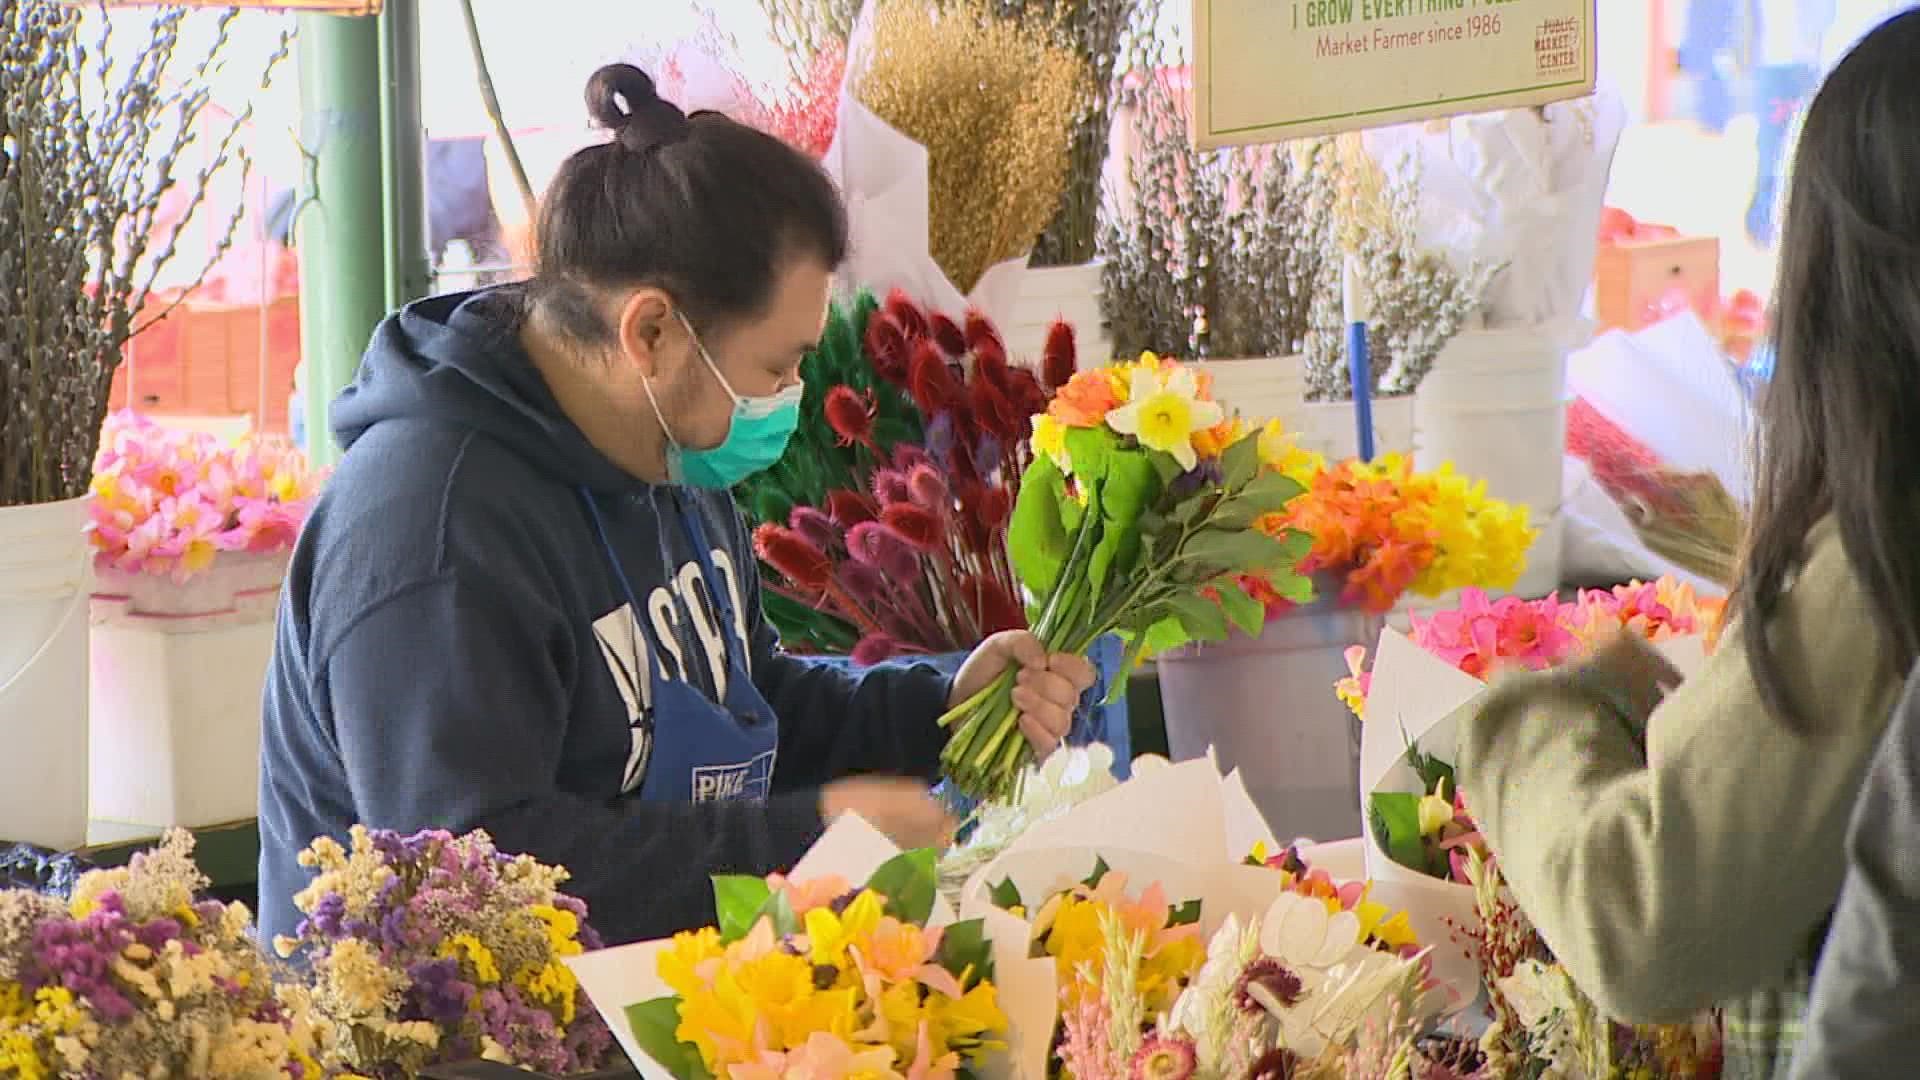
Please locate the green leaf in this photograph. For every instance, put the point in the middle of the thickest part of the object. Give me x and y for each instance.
(779, 911)
(1430, 769)
(1268, 494)
(1186, 914)
(1164, 634)
(654, 1023)
(739, 899)
(1100, 869)
(909, 881)
(1209, 553)
(1005, 895)
(1037, 539)
(1091, 450)
(1118, 680)
(965, 950)
(1242, 610)
(1131, 487)
(1168, 468)
(1396, 823)
(1202, 619)
(1241, 463)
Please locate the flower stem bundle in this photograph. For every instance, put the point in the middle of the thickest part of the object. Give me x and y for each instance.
(1137, 517)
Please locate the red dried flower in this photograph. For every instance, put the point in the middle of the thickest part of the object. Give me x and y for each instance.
(1273, 979)
(815, 527)
(993, 412)
(907, 455)
(806, 566)
(946, 334)
(995, 508)
(866, 584)
(928, 488)
(850, 414)
(982, 335)
(990, 362)
(919, 526)
(1026, 391)
(890, 486)
(930, 380)
(879, 546)
(848, 508)
(887, 347)
(1060, 357)
(875, 649)
(912, 321)
(994, 608)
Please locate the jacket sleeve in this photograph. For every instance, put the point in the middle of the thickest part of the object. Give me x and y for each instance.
(1862, 1023)
(1696, 874)
(448, 702)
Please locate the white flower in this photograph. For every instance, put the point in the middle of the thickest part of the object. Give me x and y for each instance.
(1069, 777)
(1205, 1010)
(1163, 410)
(1543, 1000)
(1300, 932)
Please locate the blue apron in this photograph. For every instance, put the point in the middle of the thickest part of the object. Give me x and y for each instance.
(696, 750)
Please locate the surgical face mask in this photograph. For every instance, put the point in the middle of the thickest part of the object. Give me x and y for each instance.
(757, 433)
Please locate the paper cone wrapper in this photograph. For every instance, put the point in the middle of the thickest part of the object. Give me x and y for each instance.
(1186, 812)
(1419, 698)
(850, 849)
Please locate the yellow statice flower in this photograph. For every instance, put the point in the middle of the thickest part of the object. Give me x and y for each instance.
(563, 929)
(486, 971)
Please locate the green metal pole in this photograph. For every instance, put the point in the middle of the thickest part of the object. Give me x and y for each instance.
(341, 218)
(403, 154)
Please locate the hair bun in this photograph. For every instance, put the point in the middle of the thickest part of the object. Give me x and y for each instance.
(646, 121)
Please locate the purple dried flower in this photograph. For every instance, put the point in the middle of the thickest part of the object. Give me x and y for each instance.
(890, 486)
(326, 917)
(439, 992)
(816, 527)
(880, 546)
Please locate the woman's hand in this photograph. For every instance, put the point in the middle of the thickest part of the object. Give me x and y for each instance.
(1046, 692)
(1634, 673)
(903, 810)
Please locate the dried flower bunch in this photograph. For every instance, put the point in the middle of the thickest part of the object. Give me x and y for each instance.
(433, 948)
(1418, 300)
(807, 28)
(1103, 34)
(136, 977)
(994, 102)
(1240, 252)
(91, 156)
(1216, 252)
(883, 528)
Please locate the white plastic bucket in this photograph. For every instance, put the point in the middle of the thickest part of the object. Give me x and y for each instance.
(1275, 388)
(1048, 293)
(1495, 405)
(1266, 706)
(45, 570)
(178, 670)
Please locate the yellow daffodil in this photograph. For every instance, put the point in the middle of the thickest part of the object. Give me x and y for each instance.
(972, 1023)
(1280, 452)
(828, 934)
(1163, 411)
(680, 964)
(1050, 438)
(1436, 812)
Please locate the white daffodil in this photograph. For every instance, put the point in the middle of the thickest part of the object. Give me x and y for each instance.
(1303, 934)
(1164, 410)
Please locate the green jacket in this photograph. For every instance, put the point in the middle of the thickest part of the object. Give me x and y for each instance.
(1698, 873)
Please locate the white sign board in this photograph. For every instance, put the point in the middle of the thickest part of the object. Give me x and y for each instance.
(1271, 70)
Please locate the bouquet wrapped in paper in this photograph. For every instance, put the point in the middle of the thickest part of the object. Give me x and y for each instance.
(1419, 832)
(1173, 952)
(1521, 189)
(951, 150)
(851, 964)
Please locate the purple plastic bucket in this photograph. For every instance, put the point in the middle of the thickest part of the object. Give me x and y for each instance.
(1266, 706)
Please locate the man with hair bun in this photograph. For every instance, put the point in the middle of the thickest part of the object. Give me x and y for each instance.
(526, 601)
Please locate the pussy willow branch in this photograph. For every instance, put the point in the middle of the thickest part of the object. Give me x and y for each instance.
(91, 152)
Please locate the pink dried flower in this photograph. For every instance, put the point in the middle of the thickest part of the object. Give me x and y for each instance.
(874, 649)
(879, 546)
(813, 524)
(928, 488)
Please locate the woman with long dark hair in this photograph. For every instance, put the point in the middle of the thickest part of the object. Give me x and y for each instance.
(1683, 850)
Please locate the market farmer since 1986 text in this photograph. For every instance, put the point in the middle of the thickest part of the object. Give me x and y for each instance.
(1337, 16)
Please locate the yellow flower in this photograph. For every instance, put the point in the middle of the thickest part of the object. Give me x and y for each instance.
(1281, 453)
(1050, 438)
(828, 934)
(679, 965)
(486, 971)
(563, 929)
(553, 984)
(1214, 441)
(1163, 411)
(973, 1024)
(1379, 924)
(1166, 972)
(1436, 812)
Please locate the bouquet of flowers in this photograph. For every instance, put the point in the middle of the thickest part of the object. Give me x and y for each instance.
(883, 528)
(1136, 517)
(432, 948)
(806, 116)
(1380, 529)
(1686, 517)
(806, 974)
(135, 977)
(1284, 994)
(1068, 778)
(170, 502)
(1544, 1026)
(1380, 926)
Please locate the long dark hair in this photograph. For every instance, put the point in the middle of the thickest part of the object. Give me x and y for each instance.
(1839, 423)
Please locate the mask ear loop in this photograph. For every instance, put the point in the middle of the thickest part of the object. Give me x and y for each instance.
(701, 346)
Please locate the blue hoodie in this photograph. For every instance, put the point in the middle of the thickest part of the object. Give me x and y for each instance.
(437, 664)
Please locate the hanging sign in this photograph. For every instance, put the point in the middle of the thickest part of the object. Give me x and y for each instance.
(1271, 70)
